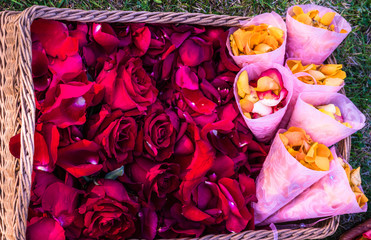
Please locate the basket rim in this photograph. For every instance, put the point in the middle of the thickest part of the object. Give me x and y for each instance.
(25, 20)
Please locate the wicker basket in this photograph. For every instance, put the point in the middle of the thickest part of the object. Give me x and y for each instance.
(17, 106)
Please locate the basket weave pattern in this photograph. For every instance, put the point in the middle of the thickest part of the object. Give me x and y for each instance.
(17, 106)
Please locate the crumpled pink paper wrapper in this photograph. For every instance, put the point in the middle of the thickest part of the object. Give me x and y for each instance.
(265, 127)
(330, 196)
(281, 179)
(321, 127)
(312, 44)
(276, 56)
(300, 87)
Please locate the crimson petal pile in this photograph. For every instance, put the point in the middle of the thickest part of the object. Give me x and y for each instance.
(137, 134)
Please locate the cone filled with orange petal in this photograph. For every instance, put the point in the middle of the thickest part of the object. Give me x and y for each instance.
(314, 32)
(337, 193)
(262, 39)
(293, 164)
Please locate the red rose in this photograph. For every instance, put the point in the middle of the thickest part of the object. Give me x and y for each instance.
(158, 180)
(158, 133)
(66, 104)
(108, 211)
(212, 203)
(136, 37)
(115, 133)
(195, 50)
(127, 84)
(44, 228)
(39, 65)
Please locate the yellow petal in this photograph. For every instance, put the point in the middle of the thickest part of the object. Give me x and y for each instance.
(355, 177)
(327, 113)
(347, 124)
(327, 18)
(293, 152)
(313, 13)
(311, 155)
(332, 27)
(243, 86)
(261, 27)
(333, 81)
(322, 163)
(262, 47)
(277, 33)
(295, 66)
(297, 10)
(328, 107)
(316, 74)
(309, 67)
(330, 69)
(343, 31)
(347, 172)
(340, 74)
(248, 115)
(234, 47)
(266, 84)
(307, 80)
(284, 139)
(337, 111)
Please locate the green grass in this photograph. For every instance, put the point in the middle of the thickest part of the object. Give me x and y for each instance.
(353, 53)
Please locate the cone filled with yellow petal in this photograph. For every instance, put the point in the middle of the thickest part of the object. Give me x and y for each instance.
(314, 32)
(261, 39)
(268, 106)
(283, 176)
(309, 78)
(332, 195)
(321, 126)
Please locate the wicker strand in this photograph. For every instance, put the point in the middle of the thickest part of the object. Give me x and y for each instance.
(17, 103)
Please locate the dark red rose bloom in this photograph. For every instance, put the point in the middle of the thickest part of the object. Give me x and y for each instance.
(80, 159)
(173, 224)
(127, 85)
(65, 104)
(108, 211)
(46, 146)
(158, 134)
(136, 37)
(44, 228)
(69, 135)
(225, 200)
(157, 179)
(115, 133)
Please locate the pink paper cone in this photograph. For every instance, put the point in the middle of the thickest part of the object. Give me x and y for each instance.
(276, 56)
(330, 196)
(312, 44)
(300, 87)
(321, 127)
(281, 179)
(265, 127)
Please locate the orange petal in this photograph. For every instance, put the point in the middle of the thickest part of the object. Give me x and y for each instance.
(355, 177)
(234, 47)
(295, 138)
(323, 151)
(316, 75)
(295, 66)
(254, 40)
(271, 41)
(327, 18)
(262, 47)
(322, 163)
(340, 74)
(297, 10)
(333, 81)
(312, 151)
(304, 18)
(313, 13)
(241, 37)
(284, 139)
(330, 69)
(277, 33)
(343, 31)
(246, 105)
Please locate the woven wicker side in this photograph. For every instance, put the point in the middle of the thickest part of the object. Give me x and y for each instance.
(15, 175)
(22, 50)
